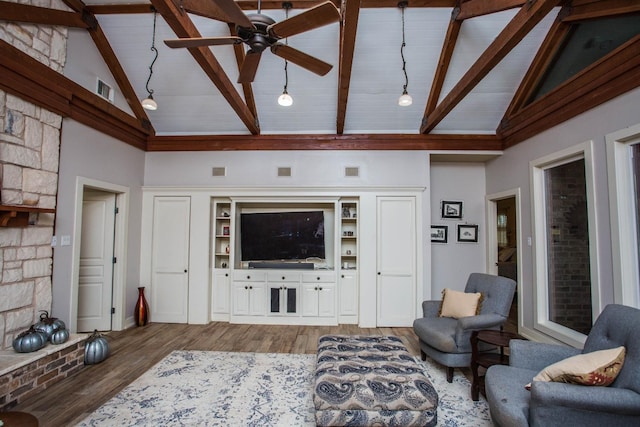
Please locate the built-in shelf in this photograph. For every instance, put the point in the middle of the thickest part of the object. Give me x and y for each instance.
(18, 216)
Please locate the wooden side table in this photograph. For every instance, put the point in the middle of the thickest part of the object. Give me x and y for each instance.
(489, 336)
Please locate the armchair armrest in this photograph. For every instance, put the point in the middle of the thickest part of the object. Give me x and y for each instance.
(537, 356)
(620, 401)
(481, 321)
(430, 308)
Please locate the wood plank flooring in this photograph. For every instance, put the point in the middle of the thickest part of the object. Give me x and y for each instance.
(135, 350)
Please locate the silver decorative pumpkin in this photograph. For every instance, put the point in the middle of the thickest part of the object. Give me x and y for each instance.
(96, 348)
(48, 324)
(60, 336)
(30, 340)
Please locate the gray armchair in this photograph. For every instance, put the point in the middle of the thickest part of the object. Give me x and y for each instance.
(560, 404)
(447, 340)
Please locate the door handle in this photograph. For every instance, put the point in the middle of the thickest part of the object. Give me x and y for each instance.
(185, 270)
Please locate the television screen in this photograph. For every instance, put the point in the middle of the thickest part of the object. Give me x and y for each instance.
(282, 236)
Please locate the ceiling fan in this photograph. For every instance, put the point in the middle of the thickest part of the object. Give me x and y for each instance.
(259, 32)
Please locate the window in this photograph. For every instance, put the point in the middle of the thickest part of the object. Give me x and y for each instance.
(566, 276)
(623, 165)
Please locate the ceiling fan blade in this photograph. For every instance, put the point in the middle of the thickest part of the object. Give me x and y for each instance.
(202, 41)
(301, 59)
(321, 15)
(233, 11)
(206, 8)
(249, 67)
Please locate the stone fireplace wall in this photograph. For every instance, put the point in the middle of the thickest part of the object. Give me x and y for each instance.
(29, 158)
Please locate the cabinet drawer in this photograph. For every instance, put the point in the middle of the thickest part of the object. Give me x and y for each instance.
(249, 276)
(319, 277)
(283, 277)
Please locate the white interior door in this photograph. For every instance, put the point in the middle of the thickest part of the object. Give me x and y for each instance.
(396, 261)
(170, 260)
(95, 279)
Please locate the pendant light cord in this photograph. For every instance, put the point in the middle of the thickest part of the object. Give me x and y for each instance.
(154, 50)
(287, 6)
(402, 6)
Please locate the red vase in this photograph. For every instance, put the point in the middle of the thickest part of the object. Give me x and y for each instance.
(141, 311)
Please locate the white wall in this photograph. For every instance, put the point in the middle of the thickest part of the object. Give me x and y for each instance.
(512, 171)
(86, 153)
(451, 263)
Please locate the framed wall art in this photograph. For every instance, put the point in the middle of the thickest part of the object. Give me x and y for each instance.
(451, 210)
(439, 233)
(467, 233)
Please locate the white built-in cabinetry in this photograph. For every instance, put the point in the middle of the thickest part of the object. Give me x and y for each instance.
(348, 278)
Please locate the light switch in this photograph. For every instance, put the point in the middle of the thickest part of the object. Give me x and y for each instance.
(65, 240)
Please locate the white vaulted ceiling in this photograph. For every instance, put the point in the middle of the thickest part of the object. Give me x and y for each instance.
(190, 104)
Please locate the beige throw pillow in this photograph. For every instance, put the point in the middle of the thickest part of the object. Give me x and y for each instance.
(595, 368)
(458, 304)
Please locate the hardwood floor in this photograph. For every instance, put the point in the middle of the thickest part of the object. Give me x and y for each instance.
(135, 350)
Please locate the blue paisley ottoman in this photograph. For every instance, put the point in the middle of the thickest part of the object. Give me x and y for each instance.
(371, 381)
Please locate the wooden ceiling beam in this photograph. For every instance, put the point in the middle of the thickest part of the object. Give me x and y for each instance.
(473, 8)
(613, 75)
(449, 44)
(348, 29)
(182, 25)
(24, 76)
(602, 9)
(523, 22)
(540, 63)
(120, 9)
(325, 142)
(41, 15)
(306, 4)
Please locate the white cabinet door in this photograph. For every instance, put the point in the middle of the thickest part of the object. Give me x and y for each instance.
(240, 302)
(257, 299)
(170, 260)
(348, 286)
(220, 294)
(396, 261)
(310, 299)
(326, 300)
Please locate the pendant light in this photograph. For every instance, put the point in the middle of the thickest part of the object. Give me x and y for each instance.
(149, 103)
(405, 99)
(285, 100)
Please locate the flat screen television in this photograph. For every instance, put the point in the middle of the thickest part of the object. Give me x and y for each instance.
(271, 236)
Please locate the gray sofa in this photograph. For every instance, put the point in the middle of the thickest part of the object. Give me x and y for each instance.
(447, 340)
(560, 404)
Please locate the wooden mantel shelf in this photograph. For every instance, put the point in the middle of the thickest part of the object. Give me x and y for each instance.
(18, 216)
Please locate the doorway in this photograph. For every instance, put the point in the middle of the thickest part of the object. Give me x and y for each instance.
(99, 256)
(504, 246)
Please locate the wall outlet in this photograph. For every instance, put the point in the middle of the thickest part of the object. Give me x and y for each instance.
(54, 241)
(65, 240)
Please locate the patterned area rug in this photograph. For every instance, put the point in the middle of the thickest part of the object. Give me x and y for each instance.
(209, 388)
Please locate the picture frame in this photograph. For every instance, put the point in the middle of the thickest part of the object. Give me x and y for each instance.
(439, 233)
(451, 209)
(468, 233)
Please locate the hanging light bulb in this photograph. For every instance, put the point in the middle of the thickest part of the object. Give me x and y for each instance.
(285, 100)
(405, 99)
(149, 103)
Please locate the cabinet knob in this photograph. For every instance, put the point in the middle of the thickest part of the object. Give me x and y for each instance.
(317, 278)
(250, 287)
(282, 277)
(248, 277)
(379, 273)
(342, 276)
(284, 287)
(315, 289)
(320, 288)
(226, 274)
(185, 270)
(246, 287)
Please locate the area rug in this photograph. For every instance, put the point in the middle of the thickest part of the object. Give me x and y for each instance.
(209, 388)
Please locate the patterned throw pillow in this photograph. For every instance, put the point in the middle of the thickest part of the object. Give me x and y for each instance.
(458, 304)
(594, 368)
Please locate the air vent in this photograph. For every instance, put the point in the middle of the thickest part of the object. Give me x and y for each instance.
(104, 90)
(284, 171)
(352, 171)
(219, 171)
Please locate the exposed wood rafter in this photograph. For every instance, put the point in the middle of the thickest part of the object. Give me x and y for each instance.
(523, 22)
(473, 8)
(442, 68)
(41, 15)
(348, 29)
(182, 25)
(607, 78)
(601, 9)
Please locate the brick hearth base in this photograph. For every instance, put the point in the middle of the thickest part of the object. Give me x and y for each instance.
(23, 375)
